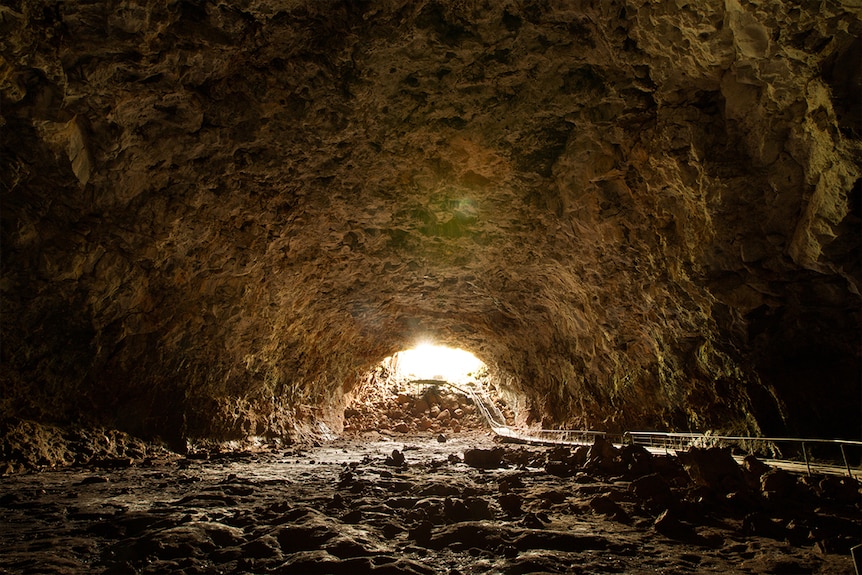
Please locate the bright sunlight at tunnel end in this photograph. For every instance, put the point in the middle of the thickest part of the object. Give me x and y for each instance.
(437, 362)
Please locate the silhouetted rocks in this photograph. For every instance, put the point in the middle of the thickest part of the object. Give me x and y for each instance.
(511, 503)
(713, 468)
(669, 525)
(754, 466)
(484, 458)
(778, 484)
(509, 482)
(759, 523)
(653, 490)
(395, 459)
(603, 457)
(566, 462)
(636, 460)
(606, 505)
(841, 490)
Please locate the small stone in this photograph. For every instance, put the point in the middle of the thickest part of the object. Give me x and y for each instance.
(606, 506)
(510, 482)
(653, 489)
(754, 466)
(264, 547)
(552, 496)
(441, 438)
(560, 453)
(93, 479)
(402, 427)
(390, 529)
(636, 459)
(478, 508)
(352, 517)
(763, 526)
(424, 424)
(670, 526)
(560, 468)
(713, 468)
(456, 510)
(604, 457)
(112, 462)
(422, 532)
(396, 459)
(741, 499)
(840, 489)
(777, 483)
(535, 520)
(419, 407)
(345, 547)
(484, 458)
(510, 503)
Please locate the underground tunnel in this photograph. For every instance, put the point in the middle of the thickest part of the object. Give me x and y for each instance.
(225, 226)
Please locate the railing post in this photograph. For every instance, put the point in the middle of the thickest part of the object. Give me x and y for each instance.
(805, 455)
(844, 455)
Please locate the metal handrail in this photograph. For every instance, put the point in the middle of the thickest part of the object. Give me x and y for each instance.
(560, 436)
(738, 437)
(656, 439)
(677, 440)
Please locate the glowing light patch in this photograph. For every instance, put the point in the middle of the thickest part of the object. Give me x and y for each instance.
(437, 362)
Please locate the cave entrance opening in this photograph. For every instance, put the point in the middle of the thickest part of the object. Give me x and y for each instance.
(435, 362)
(426, 389)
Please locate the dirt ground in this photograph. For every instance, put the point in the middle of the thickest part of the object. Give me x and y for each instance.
(410, 504)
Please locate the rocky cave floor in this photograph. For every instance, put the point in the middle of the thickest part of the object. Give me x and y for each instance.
(414, 504)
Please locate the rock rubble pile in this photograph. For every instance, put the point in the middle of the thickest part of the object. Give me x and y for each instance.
(28, 445)
(406, 410)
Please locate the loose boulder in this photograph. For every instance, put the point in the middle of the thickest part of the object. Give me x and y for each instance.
(484, 458)
(713, 468)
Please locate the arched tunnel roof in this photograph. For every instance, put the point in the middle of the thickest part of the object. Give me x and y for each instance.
(217, 215)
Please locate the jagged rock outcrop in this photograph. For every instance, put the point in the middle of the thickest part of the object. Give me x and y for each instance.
(217, 216)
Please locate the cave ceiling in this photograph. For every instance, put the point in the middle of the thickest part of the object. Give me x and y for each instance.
(216, 216)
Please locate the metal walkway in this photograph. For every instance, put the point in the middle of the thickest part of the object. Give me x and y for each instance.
(669, 442)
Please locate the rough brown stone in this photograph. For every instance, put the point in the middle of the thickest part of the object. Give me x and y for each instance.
(603, 456)
(217, 218)
(778, 484)
(484, 458)
(653, 489)
(670, 526)
(347, 513)
(712, 468)
(754, 466)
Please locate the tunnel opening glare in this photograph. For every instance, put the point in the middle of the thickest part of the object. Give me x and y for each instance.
(437, 362)
(428, 389)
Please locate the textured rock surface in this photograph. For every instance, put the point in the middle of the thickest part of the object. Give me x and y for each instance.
(341, 508)
(217, 216)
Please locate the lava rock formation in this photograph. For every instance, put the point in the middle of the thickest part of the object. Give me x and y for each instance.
(218, 216)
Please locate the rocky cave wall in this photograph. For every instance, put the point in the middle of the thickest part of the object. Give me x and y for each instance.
(217, 216)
